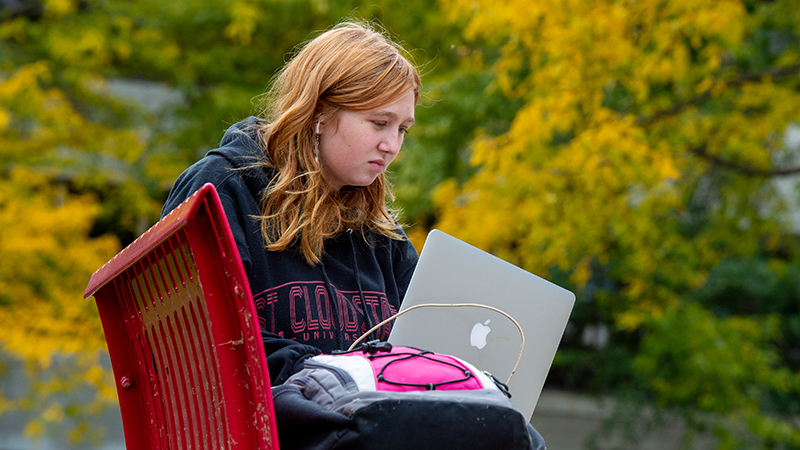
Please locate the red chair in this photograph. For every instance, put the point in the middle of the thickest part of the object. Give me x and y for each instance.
(183, 338)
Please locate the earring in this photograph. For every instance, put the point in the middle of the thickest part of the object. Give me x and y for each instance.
(316, 143)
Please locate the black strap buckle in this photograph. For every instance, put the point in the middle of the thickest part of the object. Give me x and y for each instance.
(376, 346)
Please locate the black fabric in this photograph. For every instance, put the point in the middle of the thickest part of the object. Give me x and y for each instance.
(286, 357)
(301, 310)
(306, 425)
(334, 403)
(399, 424)
(406, 425)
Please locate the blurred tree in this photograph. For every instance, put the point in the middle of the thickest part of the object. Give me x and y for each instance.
(84, 168)
(624, 148)
(47, 251)
(641, 158)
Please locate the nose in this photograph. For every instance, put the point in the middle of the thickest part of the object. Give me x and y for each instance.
(391, 144)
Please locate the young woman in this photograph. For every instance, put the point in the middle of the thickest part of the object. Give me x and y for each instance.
(304, 190)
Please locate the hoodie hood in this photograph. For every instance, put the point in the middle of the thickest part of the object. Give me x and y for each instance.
(243, 134)
(240, 146)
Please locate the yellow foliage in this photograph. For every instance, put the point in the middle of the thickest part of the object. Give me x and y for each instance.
(47, 253)
(34, 429)
(60, 8)
(577, 177)
(90, 47)
(244, 15)
(635, 117)
(56, 123)
(47, 258)
(5, 118)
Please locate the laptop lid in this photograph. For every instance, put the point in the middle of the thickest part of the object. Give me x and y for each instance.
(452, 271)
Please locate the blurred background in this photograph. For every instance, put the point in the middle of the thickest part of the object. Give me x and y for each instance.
(643, 153)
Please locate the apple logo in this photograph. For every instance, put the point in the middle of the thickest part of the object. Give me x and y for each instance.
(478, 335)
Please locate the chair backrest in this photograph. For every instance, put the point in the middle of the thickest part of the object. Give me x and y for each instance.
(182, 335)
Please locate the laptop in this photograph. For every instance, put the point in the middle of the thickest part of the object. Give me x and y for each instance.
(451, 271)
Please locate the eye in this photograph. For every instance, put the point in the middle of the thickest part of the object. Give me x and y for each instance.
(379, 123)
(404, 131)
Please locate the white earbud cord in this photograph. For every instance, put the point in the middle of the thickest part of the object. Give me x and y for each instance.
(454, 305)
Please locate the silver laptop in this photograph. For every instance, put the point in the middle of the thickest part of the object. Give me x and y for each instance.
(451, 271)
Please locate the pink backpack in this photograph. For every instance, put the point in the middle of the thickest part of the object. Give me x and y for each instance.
(392, 398)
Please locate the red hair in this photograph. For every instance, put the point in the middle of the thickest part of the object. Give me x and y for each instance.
(350, 67)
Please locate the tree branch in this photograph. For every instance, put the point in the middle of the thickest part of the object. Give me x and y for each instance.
(744, 169)
(675, 109)
(783, 72)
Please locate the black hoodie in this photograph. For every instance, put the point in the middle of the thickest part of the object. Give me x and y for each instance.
(365, 276)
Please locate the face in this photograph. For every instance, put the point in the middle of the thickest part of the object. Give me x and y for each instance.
(357, 146)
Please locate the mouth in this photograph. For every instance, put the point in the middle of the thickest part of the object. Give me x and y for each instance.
(377, 164)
